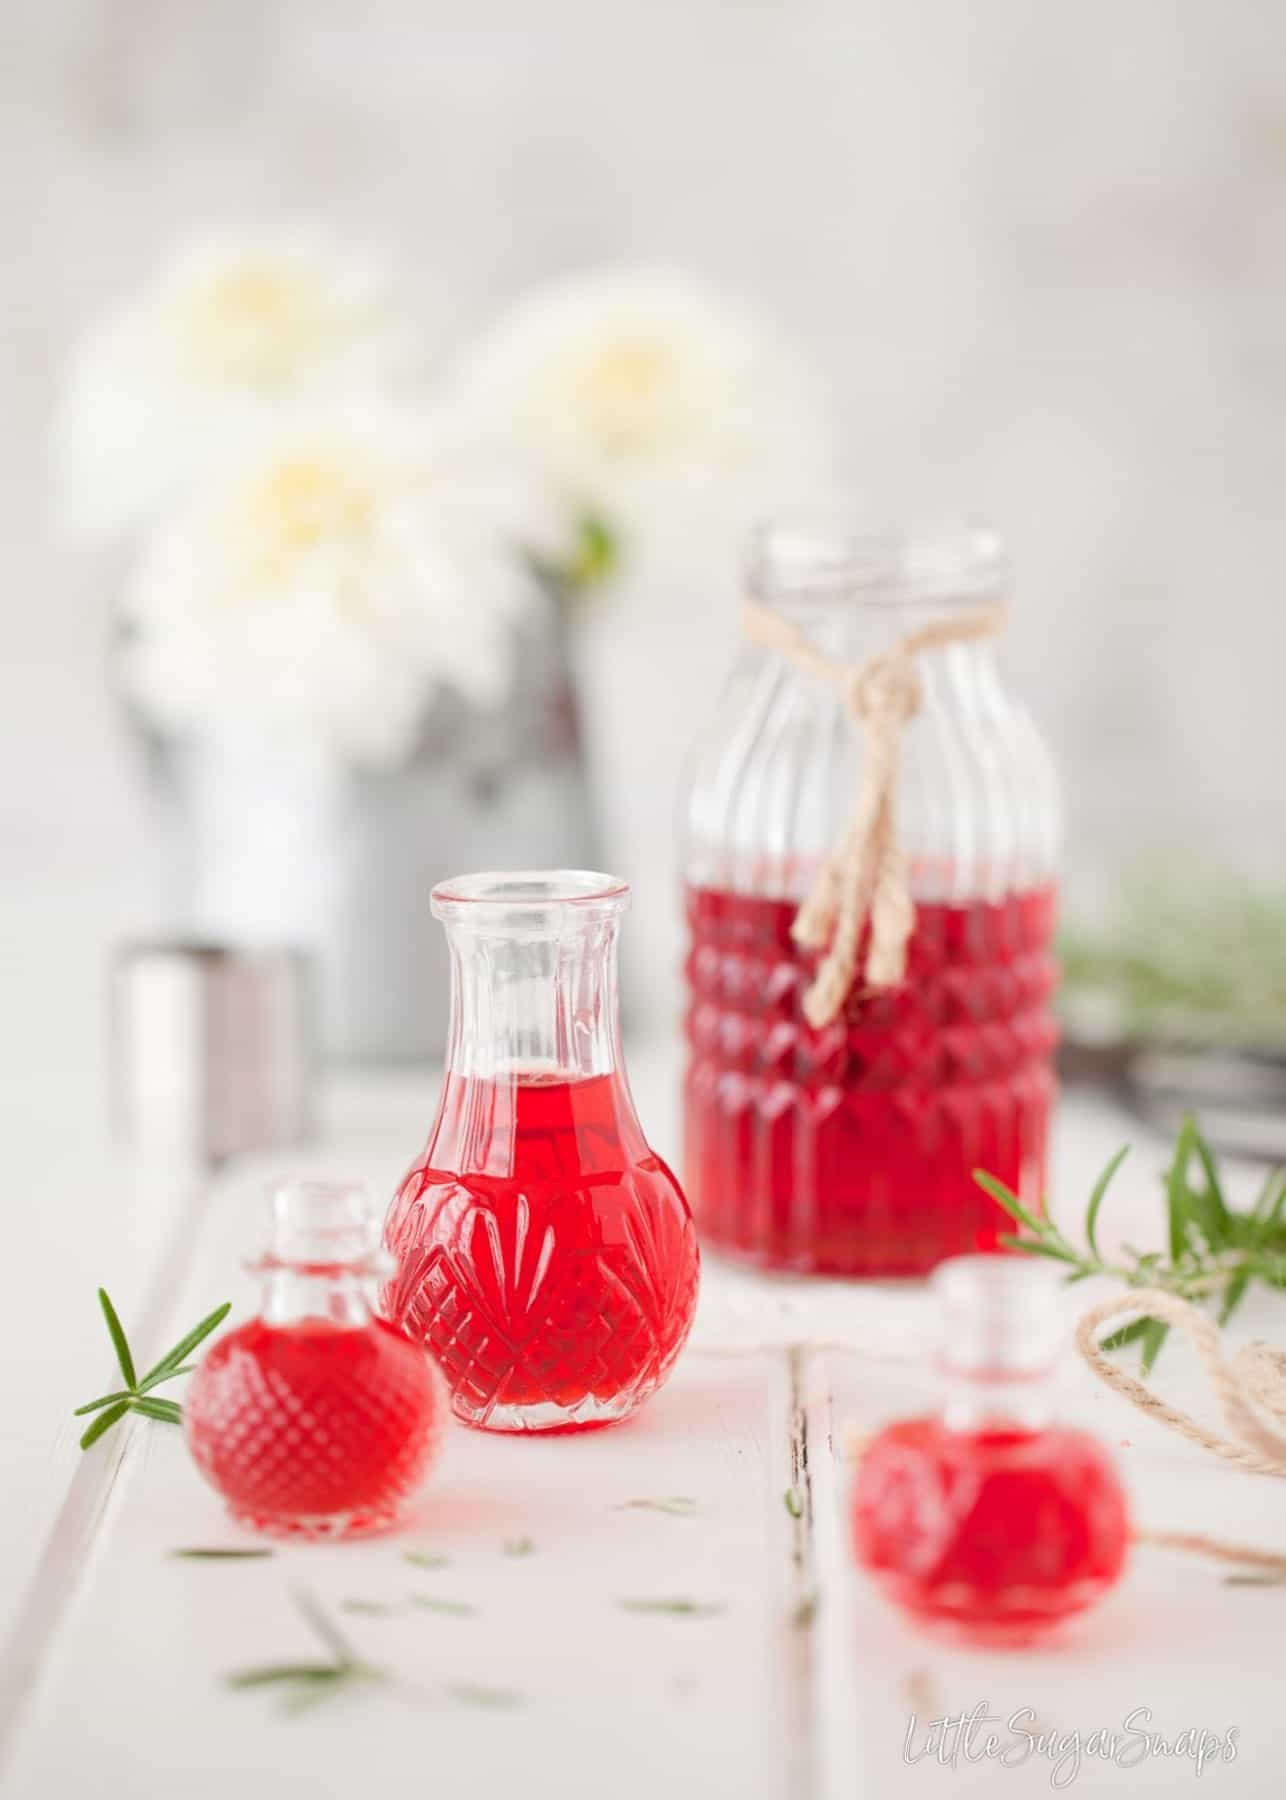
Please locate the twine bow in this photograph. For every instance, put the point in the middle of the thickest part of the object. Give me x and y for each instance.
(863, 878)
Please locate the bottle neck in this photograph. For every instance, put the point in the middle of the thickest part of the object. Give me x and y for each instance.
(336, 1296)
(534, 1003)
(974, 1403)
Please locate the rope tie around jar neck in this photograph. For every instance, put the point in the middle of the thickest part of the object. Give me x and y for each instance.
(863, 877)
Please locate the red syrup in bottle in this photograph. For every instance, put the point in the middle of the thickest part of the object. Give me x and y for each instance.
(316, 1419)
(850, 1150)
(990, 1519)
(546, 1255)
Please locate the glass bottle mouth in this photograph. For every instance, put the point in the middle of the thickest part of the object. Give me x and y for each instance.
(828, 556)
(530, 899)
(321, 1226)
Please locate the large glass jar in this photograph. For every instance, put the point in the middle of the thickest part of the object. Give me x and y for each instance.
(848, 1146)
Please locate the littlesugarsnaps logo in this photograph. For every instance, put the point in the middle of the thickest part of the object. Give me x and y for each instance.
(981, 1736)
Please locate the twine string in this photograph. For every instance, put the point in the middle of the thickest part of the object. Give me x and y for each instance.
(1255, 1377)
(863, 877)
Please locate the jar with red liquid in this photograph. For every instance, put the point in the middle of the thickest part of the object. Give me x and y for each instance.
(989, 1517)
(545, 1254)
(316, 1419)
(849, 1148)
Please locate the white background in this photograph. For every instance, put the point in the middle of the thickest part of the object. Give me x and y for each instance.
(1039, 253)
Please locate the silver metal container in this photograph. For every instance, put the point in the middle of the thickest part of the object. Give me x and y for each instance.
(212, 1049)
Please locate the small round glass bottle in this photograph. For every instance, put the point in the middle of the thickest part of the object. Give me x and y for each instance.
(316, 1419)
(544, 1252)
(988, 1517)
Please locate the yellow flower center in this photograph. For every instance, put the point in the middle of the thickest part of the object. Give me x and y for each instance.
(255, 324)
(306, 500)
(628, 392)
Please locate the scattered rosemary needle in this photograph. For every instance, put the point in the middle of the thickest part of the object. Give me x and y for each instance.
(522, 1546)
(472, 1693)
(458, 1609)
(680, 1506)
(305, 1684)
(368, 1609)
(686, 1609)
(425, 1559)
(215, 1555)
(1254, 1578)
(793, 1503)
(136, 1395)
(806, 1611)
(1213, 1252)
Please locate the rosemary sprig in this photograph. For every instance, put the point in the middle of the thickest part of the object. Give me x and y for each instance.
(1213, 1251)
(134, 1397)
(305, 1684)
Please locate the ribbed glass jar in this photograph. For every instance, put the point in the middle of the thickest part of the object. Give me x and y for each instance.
(850, 1149)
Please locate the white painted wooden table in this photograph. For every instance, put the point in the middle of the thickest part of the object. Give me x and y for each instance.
(799, 1682)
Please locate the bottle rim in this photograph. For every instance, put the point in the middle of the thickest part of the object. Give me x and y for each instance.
(526, 894)
(830, 556)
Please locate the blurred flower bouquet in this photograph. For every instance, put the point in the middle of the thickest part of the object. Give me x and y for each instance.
(355, 558)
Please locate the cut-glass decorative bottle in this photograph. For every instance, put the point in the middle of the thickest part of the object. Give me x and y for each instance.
(545, 1254)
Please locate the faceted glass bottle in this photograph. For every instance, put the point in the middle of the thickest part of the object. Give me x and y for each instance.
(544, 1253)
(316, 1419)
(850, 1149)
(989, 1518)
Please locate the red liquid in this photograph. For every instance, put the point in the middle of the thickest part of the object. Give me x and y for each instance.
(314, 1429)
(546, 1256)
(851, 1150)
(1000, 1534)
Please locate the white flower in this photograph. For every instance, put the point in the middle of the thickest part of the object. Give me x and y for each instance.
(673, 414)
(233, 334)
(325, 586)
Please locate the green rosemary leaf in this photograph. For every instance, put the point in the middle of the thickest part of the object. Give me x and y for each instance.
(369, 1609)
(473, 1693)
(793, 1503)
(154, 1380)
(1153, 1338)
(165, 1412)
(521, 1546)
(119, 1342)
(1272, 1197)
(1005, 1197)
(1177, 1192)
(275, 1672)
(687, 1609)
(1255, 1578)
(1127, 1334)
(457, 1609)
(218, 1554)
(172, 1358)
(1096, 1197)
(425, 1559)
(104, 1400)
(104, 1422)
(1218, 1218)
(1055, 1252)
(1233, 1295)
